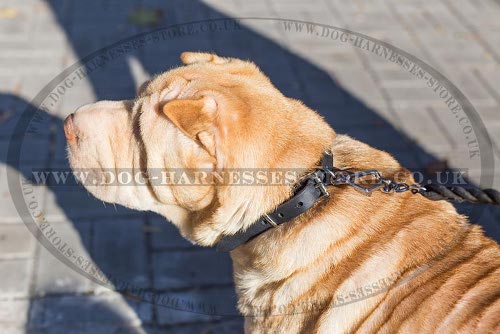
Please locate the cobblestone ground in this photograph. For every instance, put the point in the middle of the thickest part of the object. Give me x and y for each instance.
(359, 93)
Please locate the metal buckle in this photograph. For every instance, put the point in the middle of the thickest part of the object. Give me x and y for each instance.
(268, 219)
(321, 186)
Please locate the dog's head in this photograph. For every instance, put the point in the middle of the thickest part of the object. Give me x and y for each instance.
(212, 114)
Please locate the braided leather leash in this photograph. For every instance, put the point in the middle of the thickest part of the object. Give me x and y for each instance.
(434, 192)
(437, 192)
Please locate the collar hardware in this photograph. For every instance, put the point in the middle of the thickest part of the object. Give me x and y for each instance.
(268, 219)
(320, 185)
(313, 187)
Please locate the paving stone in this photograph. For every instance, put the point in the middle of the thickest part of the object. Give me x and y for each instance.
(494, 131)
(16, 241)
(13, 109)
(220, 327)
(358, 83)
(165, 235)
(196, 305)
(34, 194)
(12, 29)
(109, 310)
(16, 276)
(32, 149)
(451, 125)
(344, 118)
(489, 115)
(10, 84)
(334, 78)
(119, 250)
(181, 269)
(14, 329)
(422, 127)
(53, 276)
(87, 328)
(36, 62)
(378, 138)
(13, 315)
(36, 81)
(143, 309)
(477, 93)
(414, 95)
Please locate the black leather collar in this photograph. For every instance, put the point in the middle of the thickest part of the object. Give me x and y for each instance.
(312, 188)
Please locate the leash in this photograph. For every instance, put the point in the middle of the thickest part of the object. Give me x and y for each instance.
(431, 191)
(437, 192)
(314, 187)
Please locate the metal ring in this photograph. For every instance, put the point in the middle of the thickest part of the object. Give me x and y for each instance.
(401, 187)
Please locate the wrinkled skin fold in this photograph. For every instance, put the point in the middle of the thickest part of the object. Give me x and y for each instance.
(386, 263)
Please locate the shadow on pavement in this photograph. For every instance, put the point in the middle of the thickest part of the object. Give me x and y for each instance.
(142, 248)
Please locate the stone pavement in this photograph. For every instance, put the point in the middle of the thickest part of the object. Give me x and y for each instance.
(360, 94)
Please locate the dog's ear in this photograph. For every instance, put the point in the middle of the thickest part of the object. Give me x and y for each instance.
(234, 66)
(197, 118)
(200, 57)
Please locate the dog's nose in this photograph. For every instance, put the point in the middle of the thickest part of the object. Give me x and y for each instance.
(69, 128)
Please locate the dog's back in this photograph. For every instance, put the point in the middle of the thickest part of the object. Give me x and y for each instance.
(386, 263)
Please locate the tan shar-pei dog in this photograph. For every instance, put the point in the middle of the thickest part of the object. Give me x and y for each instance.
(387, 263)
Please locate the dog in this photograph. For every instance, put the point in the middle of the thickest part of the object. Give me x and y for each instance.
(351, 263)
